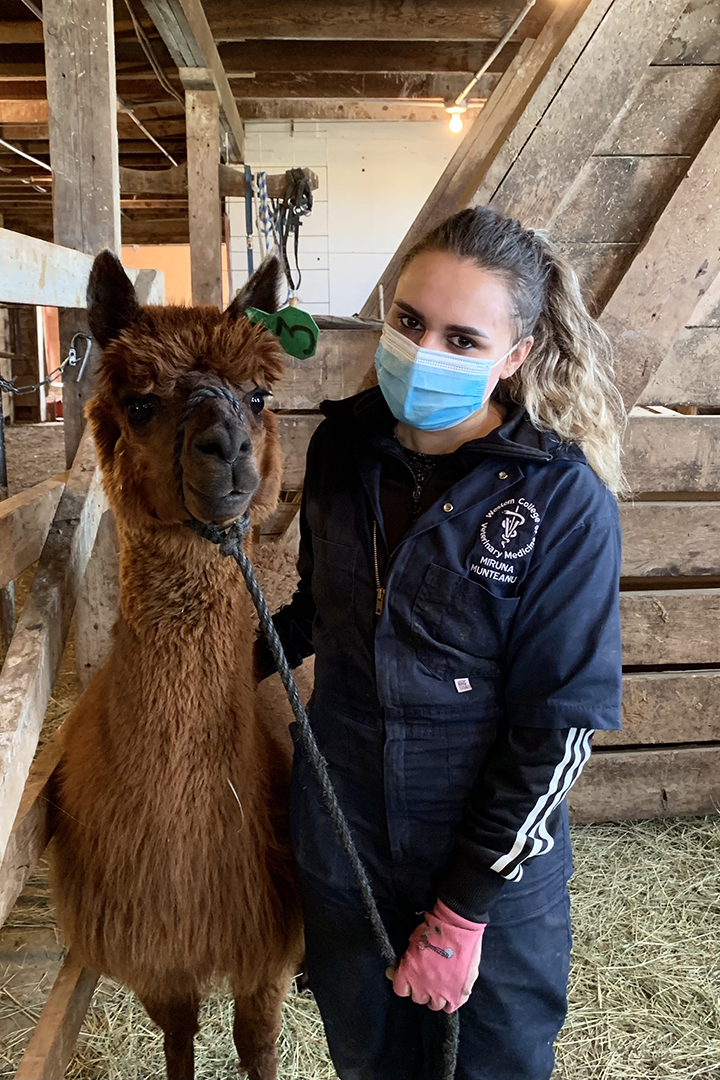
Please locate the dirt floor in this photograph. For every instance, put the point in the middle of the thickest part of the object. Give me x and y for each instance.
(645, 980)
(34, 453)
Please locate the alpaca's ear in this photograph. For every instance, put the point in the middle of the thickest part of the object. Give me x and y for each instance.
(262, 290)
(111, 301)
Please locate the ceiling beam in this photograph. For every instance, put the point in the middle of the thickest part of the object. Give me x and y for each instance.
(20, 33)
(387, 56)
(23, 112)
(188, 38)
(329, 109)
(383, 20)
(360, 85)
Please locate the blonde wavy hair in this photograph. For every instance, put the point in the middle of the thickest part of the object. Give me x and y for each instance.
(566, 383)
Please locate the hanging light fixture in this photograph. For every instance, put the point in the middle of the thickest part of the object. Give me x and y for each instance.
(459, 106)
(456, 114)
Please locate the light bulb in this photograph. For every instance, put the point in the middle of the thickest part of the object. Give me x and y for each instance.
(456, 123)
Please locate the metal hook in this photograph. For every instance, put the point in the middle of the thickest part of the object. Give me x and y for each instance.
(73, 358)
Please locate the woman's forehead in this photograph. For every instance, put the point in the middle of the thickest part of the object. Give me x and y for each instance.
(447, 289)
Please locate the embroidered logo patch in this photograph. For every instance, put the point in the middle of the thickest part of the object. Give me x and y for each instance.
(462, 686)
(508, 533)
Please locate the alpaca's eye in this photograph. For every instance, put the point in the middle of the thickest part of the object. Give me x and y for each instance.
(141, 409)
(257, 400)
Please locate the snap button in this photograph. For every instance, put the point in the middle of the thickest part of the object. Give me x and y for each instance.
(448, 507)
(502, 475)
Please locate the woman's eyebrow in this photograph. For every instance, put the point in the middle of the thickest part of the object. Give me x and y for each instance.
(410, 310)
(469, 331)
(454, 328)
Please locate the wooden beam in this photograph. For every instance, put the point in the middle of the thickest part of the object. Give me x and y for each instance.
(594, 91)
(677, 264)
(670, 627)
(662, 453)
(32, 661)
(671, 112)
(52, 1045)
(203, 153)
(465, 170)
(670, 539)
(673, 453)
(359, 85)
(690, 372)
(18, 33)
(82, 118)
(98, 603)
(174, 181)
(37, 272)
(344, 56)
(31, 829)
(184, 28)
(23, 112)
(82, 114)
(662, 708)
(338, 369)
(27, 90)
(327, 109)
(295, 431)
(25, 521)
(627, 785)
(455, 20)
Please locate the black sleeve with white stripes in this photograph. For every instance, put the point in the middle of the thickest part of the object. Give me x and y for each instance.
(512, 814)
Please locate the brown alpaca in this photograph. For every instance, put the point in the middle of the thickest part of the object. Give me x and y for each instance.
(172, 853)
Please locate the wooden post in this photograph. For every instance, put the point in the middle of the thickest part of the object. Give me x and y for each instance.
(98, 603)
(51, 1047)
(82, 121)
(203, 150)
(7, 592)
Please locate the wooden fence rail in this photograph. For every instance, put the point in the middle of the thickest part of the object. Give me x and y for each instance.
(43, 274)
(32, 661)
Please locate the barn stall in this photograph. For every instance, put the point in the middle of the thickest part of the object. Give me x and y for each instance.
(598, 121)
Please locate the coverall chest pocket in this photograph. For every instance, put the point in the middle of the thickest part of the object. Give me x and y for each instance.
(460, 627)
(333, 585)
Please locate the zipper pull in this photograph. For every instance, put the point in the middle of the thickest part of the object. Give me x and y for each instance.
(379, 599)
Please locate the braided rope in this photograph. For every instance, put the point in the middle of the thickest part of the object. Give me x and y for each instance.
(230, 542)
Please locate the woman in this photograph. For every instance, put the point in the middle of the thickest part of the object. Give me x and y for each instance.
(459, 569)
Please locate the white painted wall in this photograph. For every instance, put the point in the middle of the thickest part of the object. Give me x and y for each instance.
(374, 177)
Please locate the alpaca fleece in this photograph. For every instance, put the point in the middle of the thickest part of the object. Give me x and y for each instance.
(172, 852)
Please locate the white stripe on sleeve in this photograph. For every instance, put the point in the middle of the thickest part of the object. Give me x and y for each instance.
(577, 751)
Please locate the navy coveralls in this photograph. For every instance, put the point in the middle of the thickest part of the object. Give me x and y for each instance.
(499, 613)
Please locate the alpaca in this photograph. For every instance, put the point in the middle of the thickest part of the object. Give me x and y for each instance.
(172, 853)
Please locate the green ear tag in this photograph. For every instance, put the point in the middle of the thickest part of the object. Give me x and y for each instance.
(296, 330)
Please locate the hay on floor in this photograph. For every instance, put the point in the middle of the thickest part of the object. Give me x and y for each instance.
(645, 980)
(644, 988)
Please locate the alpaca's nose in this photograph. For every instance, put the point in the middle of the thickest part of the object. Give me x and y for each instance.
(226, 440)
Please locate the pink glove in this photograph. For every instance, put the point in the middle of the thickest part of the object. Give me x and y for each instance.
(442, 960)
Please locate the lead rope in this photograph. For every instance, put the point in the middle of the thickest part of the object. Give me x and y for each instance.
(230, 541)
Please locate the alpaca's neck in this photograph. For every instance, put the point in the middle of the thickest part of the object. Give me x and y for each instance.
(185, 634)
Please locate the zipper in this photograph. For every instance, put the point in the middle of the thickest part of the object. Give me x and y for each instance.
(379, 591)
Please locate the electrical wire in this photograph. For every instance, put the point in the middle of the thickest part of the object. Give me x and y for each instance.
(28, 157)
(460, 99)
(34, 8)
(152, 59)
(148, 134)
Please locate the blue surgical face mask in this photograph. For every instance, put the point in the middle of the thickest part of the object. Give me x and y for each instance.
(428, 389)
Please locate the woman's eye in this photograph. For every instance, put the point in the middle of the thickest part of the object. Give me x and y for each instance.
(141, 409)
(460, 342)
(257, 400)
(410, 322)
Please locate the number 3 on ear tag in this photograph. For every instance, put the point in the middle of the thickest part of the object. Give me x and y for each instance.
(296, 330)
